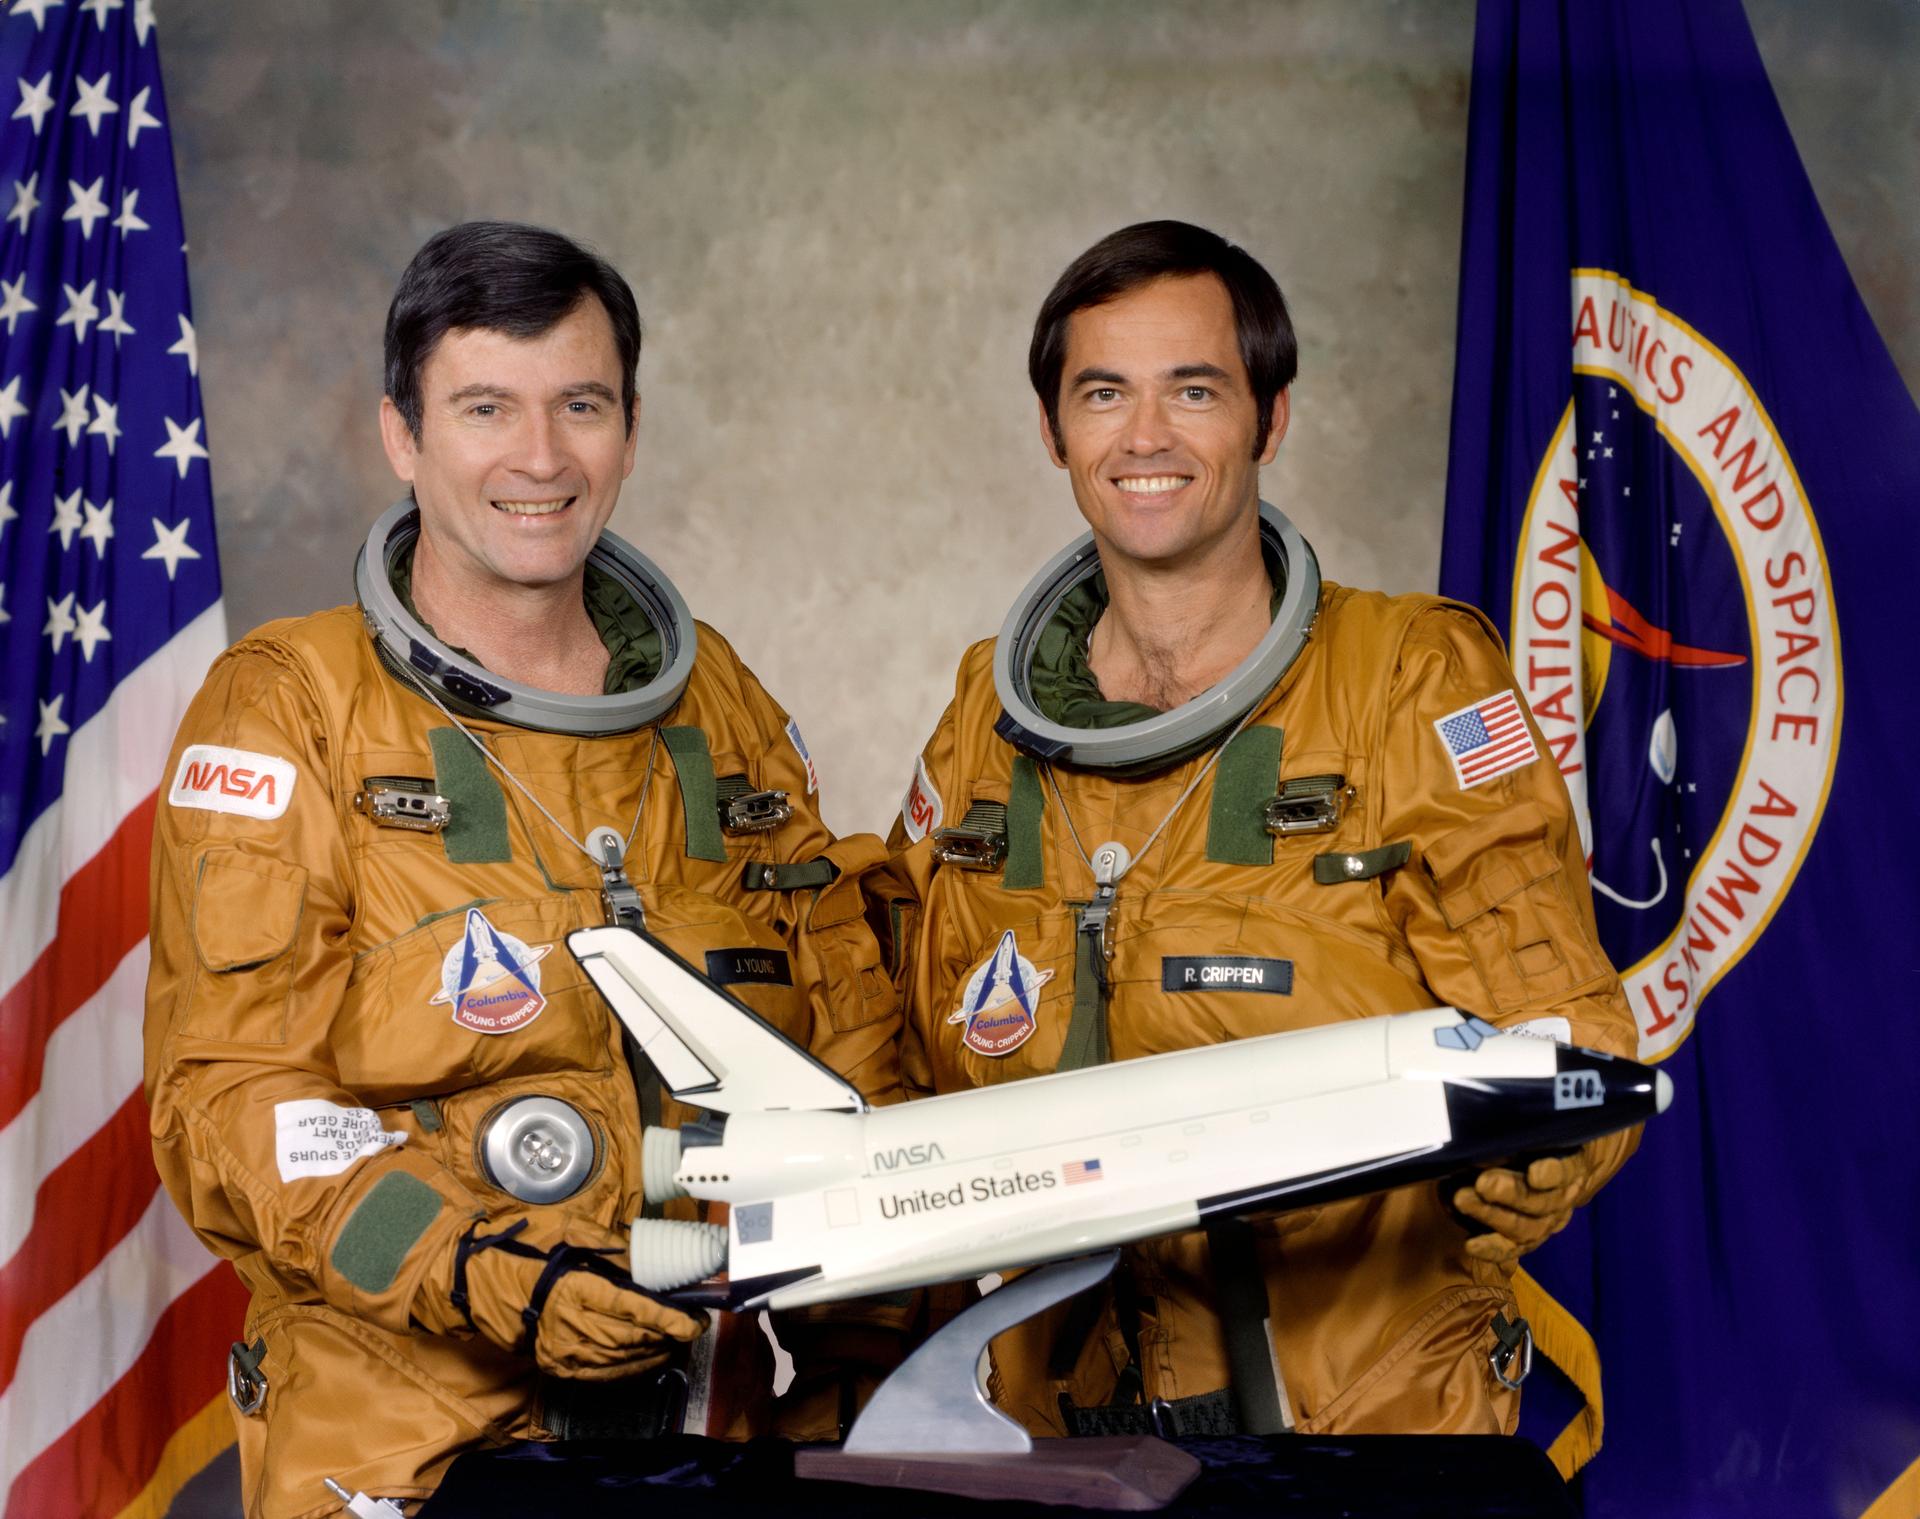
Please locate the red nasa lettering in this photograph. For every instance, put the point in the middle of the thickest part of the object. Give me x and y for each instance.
(230, 781)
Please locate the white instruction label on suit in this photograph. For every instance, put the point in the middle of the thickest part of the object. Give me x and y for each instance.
(314, 1137)
(1559, 1030)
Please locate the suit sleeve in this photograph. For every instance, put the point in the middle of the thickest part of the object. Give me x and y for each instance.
(1494, 902)
(259, 1145)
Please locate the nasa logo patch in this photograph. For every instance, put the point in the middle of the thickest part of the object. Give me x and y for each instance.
(1001, 1004)
(491, 979)
(921, 808)
(239, 781)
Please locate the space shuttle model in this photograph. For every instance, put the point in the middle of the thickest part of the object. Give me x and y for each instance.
(831, 1199)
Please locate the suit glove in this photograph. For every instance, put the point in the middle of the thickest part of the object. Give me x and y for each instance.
(552, 1285)
(1522, 1210)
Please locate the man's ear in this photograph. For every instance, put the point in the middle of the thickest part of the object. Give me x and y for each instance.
(397, 438)
(633, 437)
(1277, 425)
(1047, 438)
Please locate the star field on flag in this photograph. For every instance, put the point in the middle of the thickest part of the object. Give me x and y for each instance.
(114, 1320)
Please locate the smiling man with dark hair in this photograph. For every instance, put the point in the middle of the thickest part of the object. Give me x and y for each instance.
(380, 1084)
(1194, 793)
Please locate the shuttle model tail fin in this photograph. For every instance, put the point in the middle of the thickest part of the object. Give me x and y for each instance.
(710, 1049)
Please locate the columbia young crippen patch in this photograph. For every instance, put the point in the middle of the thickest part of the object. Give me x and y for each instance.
(491, 979)
(1001, 1003)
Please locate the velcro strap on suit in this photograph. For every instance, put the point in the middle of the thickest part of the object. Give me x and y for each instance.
(384, 1225)
(1243, 782)
(1026, 805)
(1086, 1041)
(774, 875)
(1360, 864)
(699, 792)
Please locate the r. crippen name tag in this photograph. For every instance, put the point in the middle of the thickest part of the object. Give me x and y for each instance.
(1226, 973)
(763, 967)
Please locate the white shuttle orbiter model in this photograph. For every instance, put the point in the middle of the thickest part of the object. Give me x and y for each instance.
(831, 1199)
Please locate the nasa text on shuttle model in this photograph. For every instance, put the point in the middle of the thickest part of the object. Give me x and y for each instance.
(830, 1199)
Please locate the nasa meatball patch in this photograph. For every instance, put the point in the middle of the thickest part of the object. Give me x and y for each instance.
(239, 781)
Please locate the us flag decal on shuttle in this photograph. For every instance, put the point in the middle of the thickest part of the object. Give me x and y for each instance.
(1486, 740)
(1077, 1171)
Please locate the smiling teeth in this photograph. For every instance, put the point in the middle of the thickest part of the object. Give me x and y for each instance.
(1155, 485)
(533, 508)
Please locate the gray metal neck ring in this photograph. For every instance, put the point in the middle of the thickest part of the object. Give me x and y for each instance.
(1165, 733)
(471, 689)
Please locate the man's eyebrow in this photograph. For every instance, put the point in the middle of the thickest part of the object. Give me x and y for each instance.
(1098, 377)
(480, 392)
(1199, 372)
(589, 388)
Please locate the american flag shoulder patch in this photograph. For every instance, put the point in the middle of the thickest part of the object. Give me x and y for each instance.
(1487, 740)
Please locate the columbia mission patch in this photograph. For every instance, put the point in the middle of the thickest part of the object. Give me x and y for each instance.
(491, 978)
(1001, 1004)
(1226, 973)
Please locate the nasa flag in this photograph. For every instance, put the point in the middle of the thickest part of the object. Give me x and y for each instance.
(1683, 480)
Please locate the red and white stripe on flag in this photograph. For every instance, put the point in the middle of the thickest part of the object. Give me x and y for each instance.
(112, 1314)
(1487, 739)
(114, 1318)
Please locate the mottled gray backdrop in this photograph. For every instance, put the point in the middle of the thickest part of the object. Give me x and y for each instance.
(839, 218)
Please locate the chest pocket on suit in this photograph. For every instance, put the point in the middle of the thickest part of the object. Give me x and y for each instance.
(1503, 891)
(246, 918)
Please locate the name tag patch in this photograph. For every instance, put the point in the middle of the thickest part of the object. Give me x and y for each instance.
(754, 967)
(1226, 973)
(216, 779)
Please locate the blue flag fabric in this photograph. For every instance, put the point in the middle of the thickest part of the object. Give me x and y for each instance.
(1684, 480)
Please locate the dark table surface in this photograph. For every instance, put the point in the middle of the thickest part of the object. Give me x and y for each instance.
(1293, 1476)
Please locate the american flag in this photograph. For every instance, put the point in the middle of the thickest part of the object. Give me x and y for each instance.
(113, 1317)
(1486, 740)
(1077, 1171)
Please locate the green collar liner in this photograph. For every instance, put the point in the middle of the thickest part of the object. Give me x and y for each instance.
(633, 643)
(1065, 688)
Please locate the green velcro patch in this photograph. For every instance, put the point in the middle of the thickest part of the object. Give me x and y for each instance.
(1243, 781)
(1361, 864)
(476, 831)
(699, 791)
(1026, 805)
(386, 1224)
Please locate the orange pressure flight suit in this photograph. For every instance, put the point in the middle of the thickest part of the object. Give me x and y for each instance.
(301, 955)
(1381, 1321)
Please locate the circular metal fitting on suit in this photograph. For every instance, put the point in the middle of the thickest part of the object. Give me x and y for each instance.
(540, 1149)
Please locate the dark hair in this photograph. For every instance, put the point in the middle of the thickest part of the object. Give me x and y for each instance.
(505, 277)
(1147, 251)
